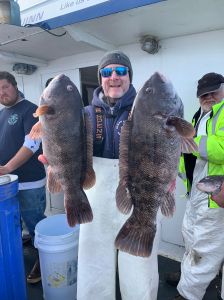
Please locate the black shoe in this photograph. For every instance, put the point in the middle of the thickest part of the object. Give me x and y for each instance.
(35, 275)
(179, 297)
(172, 278)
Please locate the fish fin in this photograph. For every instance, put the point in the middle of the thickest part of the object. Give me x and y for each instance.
(168, 202)
(90, 176)
(123, 198)
(188, 145)
(168, 205)
(183, 127)
(78, 212)
(52, 184)
(135, 239)
(36, 131)
(90, 179)
(43, 110)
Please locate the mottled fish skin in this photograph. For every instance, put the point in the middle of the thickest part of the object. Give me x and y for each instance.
(211, 184)
(67, 147)
(150, 149)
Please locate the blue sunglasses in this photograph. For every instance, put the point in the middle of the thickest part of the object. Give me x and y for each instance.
(120, 71)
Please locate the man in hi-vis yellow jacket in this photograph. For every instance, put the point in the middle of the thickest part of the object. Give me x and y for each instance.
(203, 220)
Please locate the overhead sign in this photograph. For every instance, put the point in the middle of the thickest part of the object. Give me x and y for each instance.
(45, 10)
(56, 13)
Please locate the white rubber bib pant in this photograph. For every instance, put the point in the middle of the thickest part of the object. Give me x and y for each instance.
(97, 255)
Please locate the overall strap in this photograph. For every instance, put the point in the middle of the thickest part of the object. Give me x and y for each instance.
(98, 140)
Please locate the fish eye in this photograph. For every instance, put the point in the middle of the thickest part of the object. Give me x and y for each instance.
(148, 90)
(69, 88)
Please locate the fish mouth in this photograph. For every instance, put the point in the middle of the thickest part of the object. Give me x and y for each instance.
(203, 187)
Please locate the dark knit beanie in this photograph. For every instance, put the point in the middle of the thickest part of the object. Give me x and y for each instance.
(115, 57)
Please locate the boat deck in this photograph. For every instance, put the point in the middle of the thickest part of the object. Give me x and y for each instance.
(166, 292)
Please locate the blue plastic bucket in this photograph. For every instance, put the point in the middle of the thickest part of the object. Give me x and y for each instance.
(12, 274)
(57, 244)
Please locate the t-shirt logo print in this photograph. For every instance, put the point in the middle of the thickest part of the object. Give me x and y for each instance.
(13, 119)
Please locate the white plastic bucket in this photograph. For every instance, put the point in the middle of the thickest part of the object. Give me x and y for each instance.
(58, 252)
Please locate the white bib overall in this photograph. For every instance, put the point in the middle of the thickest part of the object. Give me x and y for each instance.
(97, 256)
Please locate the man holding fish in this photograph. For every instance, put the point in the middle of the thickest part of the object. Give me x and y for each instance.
(204, 219)
(98, 258)
(144, 184)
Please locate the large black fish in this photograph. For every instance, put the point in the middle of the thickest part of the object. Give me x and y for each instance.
(67, 146)
(150, 147)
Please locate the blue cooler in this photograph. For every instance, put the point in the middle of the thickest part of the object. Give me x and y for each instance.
(12, 274)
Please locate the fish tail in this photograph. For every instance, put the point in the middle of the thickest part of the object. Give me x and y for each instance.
(135, 239)
(53, 184)
(78, 212)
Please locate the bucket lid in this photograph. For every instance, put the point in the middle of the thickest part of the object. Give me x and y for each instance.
(54, 230)
(54, 226)
(4, 179)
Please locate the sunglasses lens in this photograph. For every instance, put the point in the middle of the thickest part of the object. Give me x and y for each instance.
(120, 71)
(106, 72)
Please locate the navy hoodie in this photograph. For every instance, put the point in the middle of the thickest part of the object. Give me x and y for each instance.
(113, 119)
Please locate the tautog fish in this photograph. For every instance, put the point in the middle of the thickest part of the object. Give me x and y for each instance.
(67, 146)
(150, 147)
(211, 184)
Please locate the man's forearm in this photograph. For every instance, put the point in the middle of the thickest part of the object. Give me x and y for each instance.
(20, 158)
